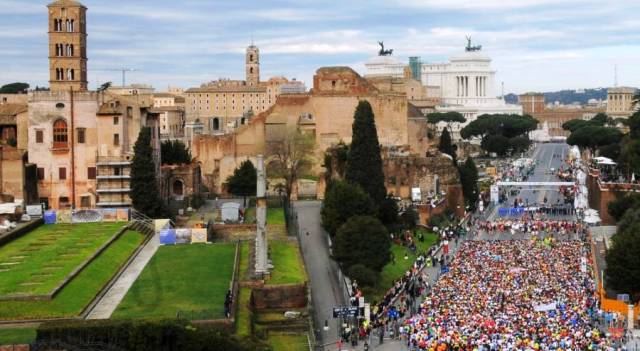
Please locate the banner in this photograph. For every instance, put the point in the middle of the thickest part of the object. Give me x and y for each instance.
(183, 236)
(122, 214)
(50, 217)
(167, 237)
(63, 216)
(198, 236)
(543, 308)
(109, 215)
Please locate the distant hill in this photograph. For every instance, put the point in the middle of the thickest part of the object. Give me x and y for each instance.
(567, 97)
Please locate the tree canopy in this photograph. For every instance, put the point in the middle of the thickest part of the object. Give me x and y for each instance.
(447, 117)
(174, 152)
(290, 158)
(362, 240)
(620, 206)
(592, 137)
(243, 181)
(343, 200)
(623, 258)
(14, 88)
(364, 165)
(500, 133)
(145, 195)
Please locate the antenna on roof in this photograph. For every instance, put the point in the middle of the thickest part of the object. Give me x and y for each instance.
(615, 75)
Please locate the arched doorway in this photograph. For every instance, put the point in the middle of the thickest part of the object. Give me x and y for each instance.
(216, 124)
(177, 188)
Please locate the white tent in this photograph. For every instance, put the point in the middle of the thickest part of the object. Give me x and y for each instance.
(604, 161)
(591, 217)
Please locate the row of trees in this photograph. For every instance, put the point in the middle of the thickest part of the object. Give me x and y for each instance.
(598, 135)
(356, 211)
(500, 133)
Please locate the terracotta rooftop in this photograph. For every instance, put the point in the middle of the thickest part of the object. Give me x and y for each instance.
(11, 110)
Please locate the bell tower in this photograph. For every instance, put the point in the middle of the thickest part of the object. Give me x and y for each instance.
(67, 45)
(252, 65)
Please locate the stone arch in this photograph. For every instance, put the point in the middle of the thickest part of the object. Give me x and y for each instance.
(177, 189)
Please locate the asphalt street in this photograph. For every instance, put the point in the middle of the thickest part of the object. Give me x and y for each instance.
(326, 292)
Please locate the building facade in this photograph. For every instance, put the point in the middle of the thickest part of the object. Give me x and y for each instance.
(224, 105)
(466, 84)
(620, 102)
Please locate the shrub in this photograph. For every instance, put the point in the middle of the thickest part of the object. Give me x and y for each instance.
(362, 240)
(363, 275)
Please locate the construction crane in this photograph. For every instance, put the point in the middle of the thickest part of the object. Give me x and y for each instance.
(123, 70)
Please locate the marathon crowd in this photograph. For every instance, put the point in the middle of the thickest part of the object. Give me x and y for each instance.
(529, 226)
(510, 295)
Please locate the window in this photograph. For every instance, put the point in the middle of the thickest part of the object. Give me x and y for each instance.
(91, 173)
(60, 136)
(116, 121)
(117, 171)
(63, 202)
(39, 136)
(129, 111)
(116, 139)
(40, 172)
(81, 132)
(333, 83)
(85, 201)
(62, 173)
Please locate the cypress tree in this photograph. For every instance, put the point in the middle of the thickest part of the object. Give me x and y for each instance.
(446, 145)
(469, 181)
(144, 186)
(364, 164)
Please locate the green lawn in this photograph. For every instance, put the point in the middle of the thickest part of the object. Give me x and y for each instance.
(288, 342)
(287, 262)
(37, 262)
(187, 278)
(392, 271)
(82, 289)
(243, 312)
(17, 336)
(275, 216)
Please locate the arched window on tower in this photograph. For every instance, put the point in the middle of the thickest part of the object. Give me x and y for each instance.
(72, 29)
(69, 74)
(71, 49)
(251, 70)
(60, 134)
(251, 58)
(67, 25)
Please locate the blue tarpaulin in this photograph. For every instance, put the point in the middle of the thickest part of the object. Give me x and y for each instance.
(167, 236)
(49, 217)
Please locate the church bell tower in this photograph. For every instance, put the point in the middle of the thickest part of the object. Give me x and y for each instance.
(67, 45)
(252, 65)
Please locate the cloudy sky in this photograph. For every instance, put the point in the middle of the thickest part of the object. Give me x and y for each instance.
(536, 45)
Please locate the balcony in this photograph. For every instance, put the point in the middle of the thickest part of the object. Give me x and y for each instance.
(113, 160)
(109, 190)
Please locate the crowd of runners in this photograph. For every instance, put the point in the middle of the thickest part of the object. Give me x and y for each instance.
(510, 295)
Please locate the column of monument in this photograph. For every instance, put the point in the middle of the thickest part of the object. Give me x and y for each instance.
(261, 220)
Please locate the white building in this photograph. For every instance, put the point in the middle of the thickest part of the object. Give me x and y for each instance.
(467, 85)
(384, 66)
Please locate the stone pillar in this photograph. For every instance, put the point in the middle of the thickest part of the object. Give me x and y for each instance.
(262, 265)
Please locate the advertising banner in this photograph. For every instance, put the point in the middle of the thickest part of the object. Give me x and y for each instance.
(183, 236)
(50, 217)
(198, 236)
(63, 216)
(167, 237)
(34, 210)
(109, 215)
(122, 214)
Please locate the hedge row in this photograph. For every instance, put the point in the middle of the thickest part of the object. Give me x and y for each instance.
(151, 335)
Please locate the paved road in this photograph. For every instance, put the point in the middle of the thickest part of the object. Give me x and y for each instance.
(545, 161)
(326, 292)
(108, 303)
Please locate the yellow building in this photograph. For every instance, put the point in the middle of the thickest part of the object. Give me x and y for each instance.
(620, 101)
(225, 104)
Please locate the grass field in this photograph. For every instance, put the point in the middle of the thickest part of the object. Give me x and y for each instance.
(288, 342)
(82, 289)
(188, 278)
(393, 271)
(17, 336)
(37, 262)
(275, 216)
(287, 262)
